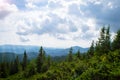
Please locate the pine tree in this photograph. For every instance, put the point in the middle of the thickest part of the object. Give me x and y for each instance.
(102, 40)
(103, 44)
(16, 65)
(40, 60)
(44, 55)
(24, 64)
(70, 57)
(46, 64)
(78, 54)
(91, 50)
(3, 70)
(11, 71)
(107, 40)
(49, 61)
(116, 41)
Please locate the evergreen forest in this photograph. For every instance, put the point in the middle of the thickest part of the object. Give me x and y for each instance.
(100, 62)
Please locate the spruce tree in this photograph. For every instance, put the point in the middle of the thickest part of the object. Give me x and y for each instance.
(44, 55)
(70, 57)
(91, 50)
(103, 44)
(78, 54)
(48, 60)
(107, 40)
(102, 40)
(40, 60)
(116, 41)
(24, 64)
(11, 71)
(3, 70)
(16, 65)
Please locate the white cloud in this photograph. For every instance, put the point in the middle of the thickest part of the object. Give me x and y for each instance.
(30, 5)
(6, 9)
(59, 24)
(51, 23)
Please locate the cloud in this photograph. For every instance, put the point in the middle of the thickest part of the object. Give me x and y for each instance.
(24, 39)
(61, 21)
(74, 9)
(50, 24)
(65, 27)
(104, 11)
(20, 4)
(54, 4)
(6, 9)
(36, 4)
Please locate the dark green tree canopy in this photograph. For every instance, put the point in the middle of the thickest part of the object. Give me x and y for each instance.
(40, 59)
(24, 64)
(116, 41)
(91, 50)
(104, 42)
(78, 54)
(70, 56)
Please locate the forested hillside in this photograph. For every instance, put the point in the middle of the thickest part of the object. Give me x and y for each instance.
(101, 62)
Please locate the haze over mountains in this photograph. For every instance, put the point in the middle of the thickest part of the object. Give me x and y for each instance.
(9, 52)
(19, 49)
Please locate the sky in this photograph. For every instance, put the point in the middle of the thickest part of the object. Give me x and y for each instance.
(56, 23)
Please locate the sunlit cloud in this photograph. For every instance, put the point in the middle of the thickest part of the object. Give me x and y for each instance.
(59, 23)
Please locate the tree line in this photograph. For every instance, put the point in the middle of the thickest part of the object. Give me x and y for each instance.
(100, 62)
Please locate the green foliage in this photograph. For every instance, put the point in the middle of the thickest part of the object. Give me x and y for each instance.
(78, 54)
(103, 44)
(98, 64)
(16, 64)
(30, 71)
(40, 60)
(24, 63)
(49, 61)
(107, 40)
(3, 71)
(116, 41)
(11, 68)
(44, 67)
(91, 50)
(70, 56)
(89, 74)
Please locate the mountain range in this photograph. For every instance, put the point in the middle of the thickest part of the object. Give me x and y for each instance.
(32, 51)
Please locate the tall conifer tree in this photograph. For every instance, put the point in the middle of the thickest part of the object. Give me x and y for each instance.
(70, 57)
(116, 41)
(40, 60)
(24, 64)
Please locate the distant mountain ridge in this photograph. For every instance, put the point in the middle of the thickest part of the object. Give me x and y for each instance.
(9, 52)
(19, 49)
